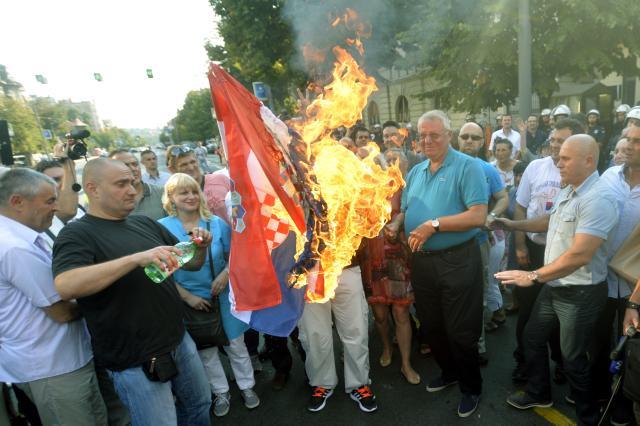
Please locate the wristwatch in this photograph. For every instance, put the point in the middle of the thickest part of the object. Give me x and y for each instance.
(436, 224)
(533, 276)
(631, 305)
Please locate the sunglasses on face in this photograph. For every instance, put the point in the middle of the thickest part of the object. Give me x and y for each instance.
(180, 150)
(473, 137)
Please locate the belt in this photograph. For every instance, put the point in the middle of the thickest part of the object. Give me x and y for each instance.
(453, 249)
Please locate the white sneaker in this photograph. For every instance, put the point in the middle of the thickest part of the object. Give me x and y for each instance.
(221, 404)
(251, 399)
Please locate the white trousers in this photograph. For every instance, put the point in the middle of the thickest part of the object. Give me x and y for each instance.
(350, 312)
(496, 254)
(240, 364)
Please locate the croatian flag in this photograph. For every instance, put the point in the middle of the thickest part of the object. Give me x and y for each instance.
(264, 208)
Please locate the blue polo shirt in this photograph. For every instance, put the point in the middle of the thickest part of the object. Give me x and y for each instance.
(494, 185)
(457, 185)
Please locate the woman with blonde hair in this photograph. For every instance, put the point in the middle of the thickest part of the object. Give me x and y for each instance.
(184, 202)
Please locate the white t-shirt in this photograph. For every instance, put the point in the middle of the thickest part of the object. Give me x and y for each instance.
(33, 346)
(513, 136)
(539, 187)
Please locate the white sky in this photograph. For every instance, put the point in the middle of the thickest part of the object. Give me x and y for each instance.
(68, 40)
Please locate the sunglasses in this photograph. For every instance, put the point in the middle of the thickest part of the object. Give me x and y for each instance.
(473, 137)
(176, 151)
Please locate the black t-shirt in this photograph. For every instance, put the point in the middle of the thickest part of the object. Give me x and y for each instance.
(133, 319)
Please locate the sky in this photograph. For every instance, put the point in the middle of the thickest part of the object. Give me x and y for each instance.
(68, 40)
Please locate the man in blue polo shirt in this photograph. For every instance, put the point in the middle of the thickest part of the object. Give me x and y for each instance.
(443, 207)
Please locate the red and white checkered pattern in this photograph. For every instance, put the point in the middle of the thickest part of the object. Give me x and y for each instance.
(275, 228)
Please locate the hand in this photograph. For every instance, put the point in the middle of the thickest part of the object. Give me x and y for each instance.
(522, 126)
(630, 319)
(519, 278)
(164, 257)
(420, 235)
(203, 235)
(499, 223)
(522, 256)
(198, 303)
(220, 282)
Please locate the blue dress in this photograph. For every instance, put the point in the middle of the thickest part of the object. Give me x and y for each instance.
(199, 282)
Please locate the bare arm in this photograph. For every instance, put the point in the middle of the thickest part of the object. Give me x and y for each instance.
(538, 224)
(63, 311)
(522, 253)
(67, 197)
(579, 254)
(474, 217)
(501, 200)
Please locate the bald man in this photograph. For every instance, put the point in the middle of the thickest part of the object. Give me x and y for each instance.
(574, 274)
(136, 326)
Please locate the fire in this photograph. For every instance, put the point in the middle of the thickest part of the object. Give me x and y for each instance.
(356, 191)
(404, 132)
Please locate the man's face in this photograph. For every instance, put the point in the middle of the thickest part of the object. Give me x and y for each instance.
(633, 147)
(620, 116)
(150, 161)
(188, 164)
(392, 137)
(434, 138)
(633, 122)
(362, 138)
(55, 173)
(592, 119)
(37, 212)
(506, 121)
(620, 154)
(113, 191)
(532, 124)
(470, 140)
(546, 119)
(557, 139)
(132, 163)
(572, 164)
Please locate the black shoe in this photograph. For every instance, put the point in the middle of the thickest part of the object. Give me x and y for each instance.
(468, 405)
(439, 384)
(559, 376)
(482, 360)
(523, 401)
(519, 376)
(319, 398)
(365, 398)
(279, 381)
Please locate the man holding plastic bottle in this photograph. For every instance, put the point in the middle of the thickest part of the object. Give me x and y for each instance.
(136, 325)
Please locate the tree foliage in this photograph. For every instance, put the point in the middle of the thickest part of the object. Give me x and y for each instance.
(194, 121)
(56, 115)
(27, 136)
(112, 137)
(471, 46)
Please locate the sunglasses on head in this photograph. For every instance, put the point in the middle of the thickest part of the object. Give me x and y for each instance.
(180, 150)
(473, 137)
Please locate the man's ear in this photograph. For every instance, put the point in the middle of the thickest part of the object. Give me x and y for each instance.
(16, 201)
(91, 188)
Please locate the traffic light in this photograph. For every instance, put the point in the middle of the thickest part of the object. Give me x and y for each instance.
(41, 79)
(149, 73)
(97, 76)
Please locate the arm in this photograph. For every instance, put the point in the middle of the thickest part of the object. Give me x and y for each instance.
(631, 316)
(200, 255)
(63, 311)
(537, 224)
(522, 253)
(192, 300)
(501, 202)
(67, 197)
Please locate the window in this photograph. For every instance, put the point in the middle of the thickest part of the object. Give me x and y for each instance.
(373, 114)
(402, 110)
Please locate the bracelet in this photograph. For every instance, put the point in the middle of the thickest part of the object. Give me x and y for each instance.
(631, 305)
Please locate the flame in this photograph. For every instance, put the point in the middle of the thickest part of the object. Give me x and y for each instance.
(356, 191)
(404, 132)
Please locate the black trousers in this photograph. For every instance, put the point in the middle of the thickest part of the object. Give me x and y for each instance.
(448, 298)
(526, 299)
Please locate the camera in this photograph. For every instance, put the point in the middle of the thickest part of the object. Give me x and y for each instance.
(77, 147)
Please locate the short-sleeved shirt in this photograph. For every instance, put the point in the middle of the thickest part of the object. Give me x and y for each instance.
(538, 189)
(150, 204)
(589, 209)
(32, 345)
(159, 181)
(458, 184)
(199, 282)
(133, 319)
(513, 136)
(628, 201)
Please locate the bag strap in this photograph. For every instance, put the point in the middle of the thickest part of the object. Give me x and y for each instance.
(213, 273)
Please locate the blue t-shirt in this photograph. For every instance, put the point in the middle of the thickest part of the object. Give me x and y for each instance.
(199, 282)
(457, 185)
(494, 185)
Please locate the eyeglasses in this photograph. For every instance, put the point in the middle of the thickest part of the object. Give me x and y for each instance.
(473, 137)
(176, 151)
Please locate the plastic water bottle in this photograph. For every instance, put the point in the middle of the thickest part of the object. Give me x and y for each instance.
(157, 275)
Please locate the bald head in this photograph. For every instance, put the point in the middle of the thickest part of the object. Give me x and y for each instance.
(471, 139)
(95, 170)
(578, 159)
(471, 126)
(584, 146)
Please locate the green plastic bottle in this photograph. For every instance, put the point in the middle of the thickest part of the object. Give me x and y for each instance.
(157, 275)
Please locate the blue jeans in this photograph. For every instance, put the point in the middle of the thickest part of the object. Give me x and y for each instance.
(575, 309)
(151, 403)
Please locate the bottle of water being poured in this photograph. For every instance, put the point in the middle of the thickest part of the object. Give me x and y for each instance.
(188, 249)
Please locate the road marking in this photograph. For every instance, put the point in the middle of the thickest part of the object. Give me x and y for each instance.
(554, 416)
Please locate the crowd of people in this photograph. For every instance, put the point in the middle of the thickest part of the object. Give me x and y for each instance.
(531, 216)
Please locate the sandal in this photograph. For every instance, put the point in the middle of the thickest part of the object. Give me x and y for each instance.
(491, 326)
(385, 362)
(413, 380)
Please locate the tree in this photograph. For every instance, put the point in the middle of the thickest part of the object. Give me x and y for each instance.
(470, 46)
(194, 121)
(258, 44)
(56, 115)
(27, 137)
(112, 138)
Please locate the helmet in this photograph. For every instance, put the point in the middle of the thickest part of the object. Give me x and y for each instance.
(633, 113)
(561, 110)
(623, 108)
(594, 111)
(545, 111)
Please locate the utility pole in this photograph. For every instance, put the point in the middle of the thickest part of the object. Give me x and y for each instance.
(524, 59)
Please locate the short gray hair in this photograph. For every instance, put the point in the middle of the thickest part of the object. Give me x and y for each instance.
(436, 114)
(23, 181)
